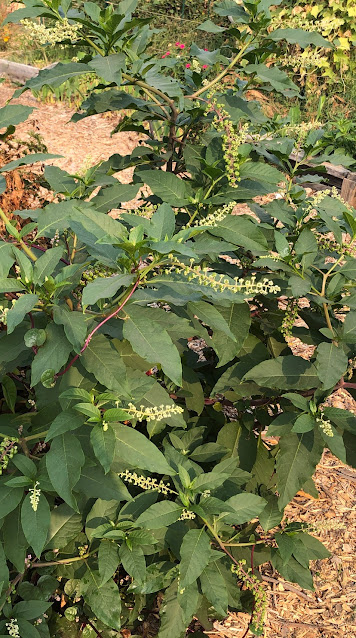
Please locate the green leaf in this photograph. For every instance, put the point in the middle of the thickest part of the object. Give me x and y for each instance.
(214, 588)
(160, 515)
(285, 373)
(55, 76)
(209, 27)
(11, 285)
(109, 67)
(112, 196)
(271, 515)
(304, 423)
(65, 524)
(46, 264)
(65, 421)
(163, 223)
(27, 629)
(294, 572)
(263, 172)
(15, 544)
(241, 231)
(154, 345)
(13, 114)
(74, 324)
(300, 37)
(170, 188)
(300, 287)
(104, 601)
(104, 362)
(10, 392)
(52, 355)
(195, 554)
(60, 181)
(103, 442)
(64, 462)
(30, 609)
(306, 243)
(31, 158)
(9, 499)
(331, 364)
(133, 562)
(19, 310)
(94, 483)
(272, 75)
(349, 328)
(104, 288)
(211, 317)
(108, 560)
(296, 463)
(172, 619)
(246, 506)
(135, 449)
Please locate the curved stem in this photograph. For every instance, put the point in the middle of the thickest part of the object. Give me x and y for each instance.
(221, 75)
(99, 325)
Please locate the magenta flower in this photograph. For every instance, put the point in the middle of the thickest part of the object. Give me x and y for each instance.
(205, 66)
(177, 44)
(182, 46)
(187, 66)
(206, 49)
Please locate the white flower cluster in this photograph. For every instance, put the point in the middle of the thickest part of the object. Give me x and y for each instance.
(324, 424)
(35, 494)
(145, 482)
(157, 413)
(3, 315)
(187, 515)
(328, 192)
(219, 283)
(51, 35)
(13, 628)
(217, 216)
(306, 60)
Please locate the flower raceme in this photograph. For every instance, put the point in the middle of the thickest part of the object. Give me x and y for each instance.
(207, 277)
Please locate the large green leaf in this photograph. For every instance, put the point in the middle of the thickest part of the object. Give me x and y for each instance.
(64, 462)
(55, 76)
(94, 483)
(13, 114)
(104, 362)
(65, 524)
(285, 373)
(195, 554)
(300, 37)
(246, 506)
(160, 515)
(272, 75)
(331, 364)
(35, 523)
(168, 187)
(134, 448)
(241, 231)
(74, 324)
(104, 288)
(152, 342)
(112, 196)
(133, 562)
(108, 560)
(104, 601)
(103, 443)
(296, 463)
(46, 264)
(9, 499)
(17, 313)
(52, 355)
(214, 588)
(109, 67)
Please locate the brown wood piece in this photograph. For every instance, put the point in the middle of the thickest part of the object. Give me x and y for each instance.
(348, 189)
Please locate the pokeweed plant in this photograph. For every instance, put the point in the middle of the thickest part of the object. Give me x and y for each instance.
(156, 419)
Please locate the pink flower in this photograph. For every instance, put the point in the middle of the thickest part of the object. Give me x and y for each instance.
(168, 53)
(177, 44)
(182, 46)
(165, 54)
(187, 66)
(205, 66)
(206, 49)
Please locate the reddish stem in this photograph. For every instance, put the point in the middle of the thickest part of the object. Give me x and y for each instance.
(92, 333)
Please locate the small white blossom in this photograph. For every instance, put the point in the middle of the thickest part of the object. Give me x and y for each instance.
(13, 628)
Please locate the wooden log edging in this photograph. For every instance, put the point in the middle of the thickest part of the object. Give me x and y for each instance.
(17, 72)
